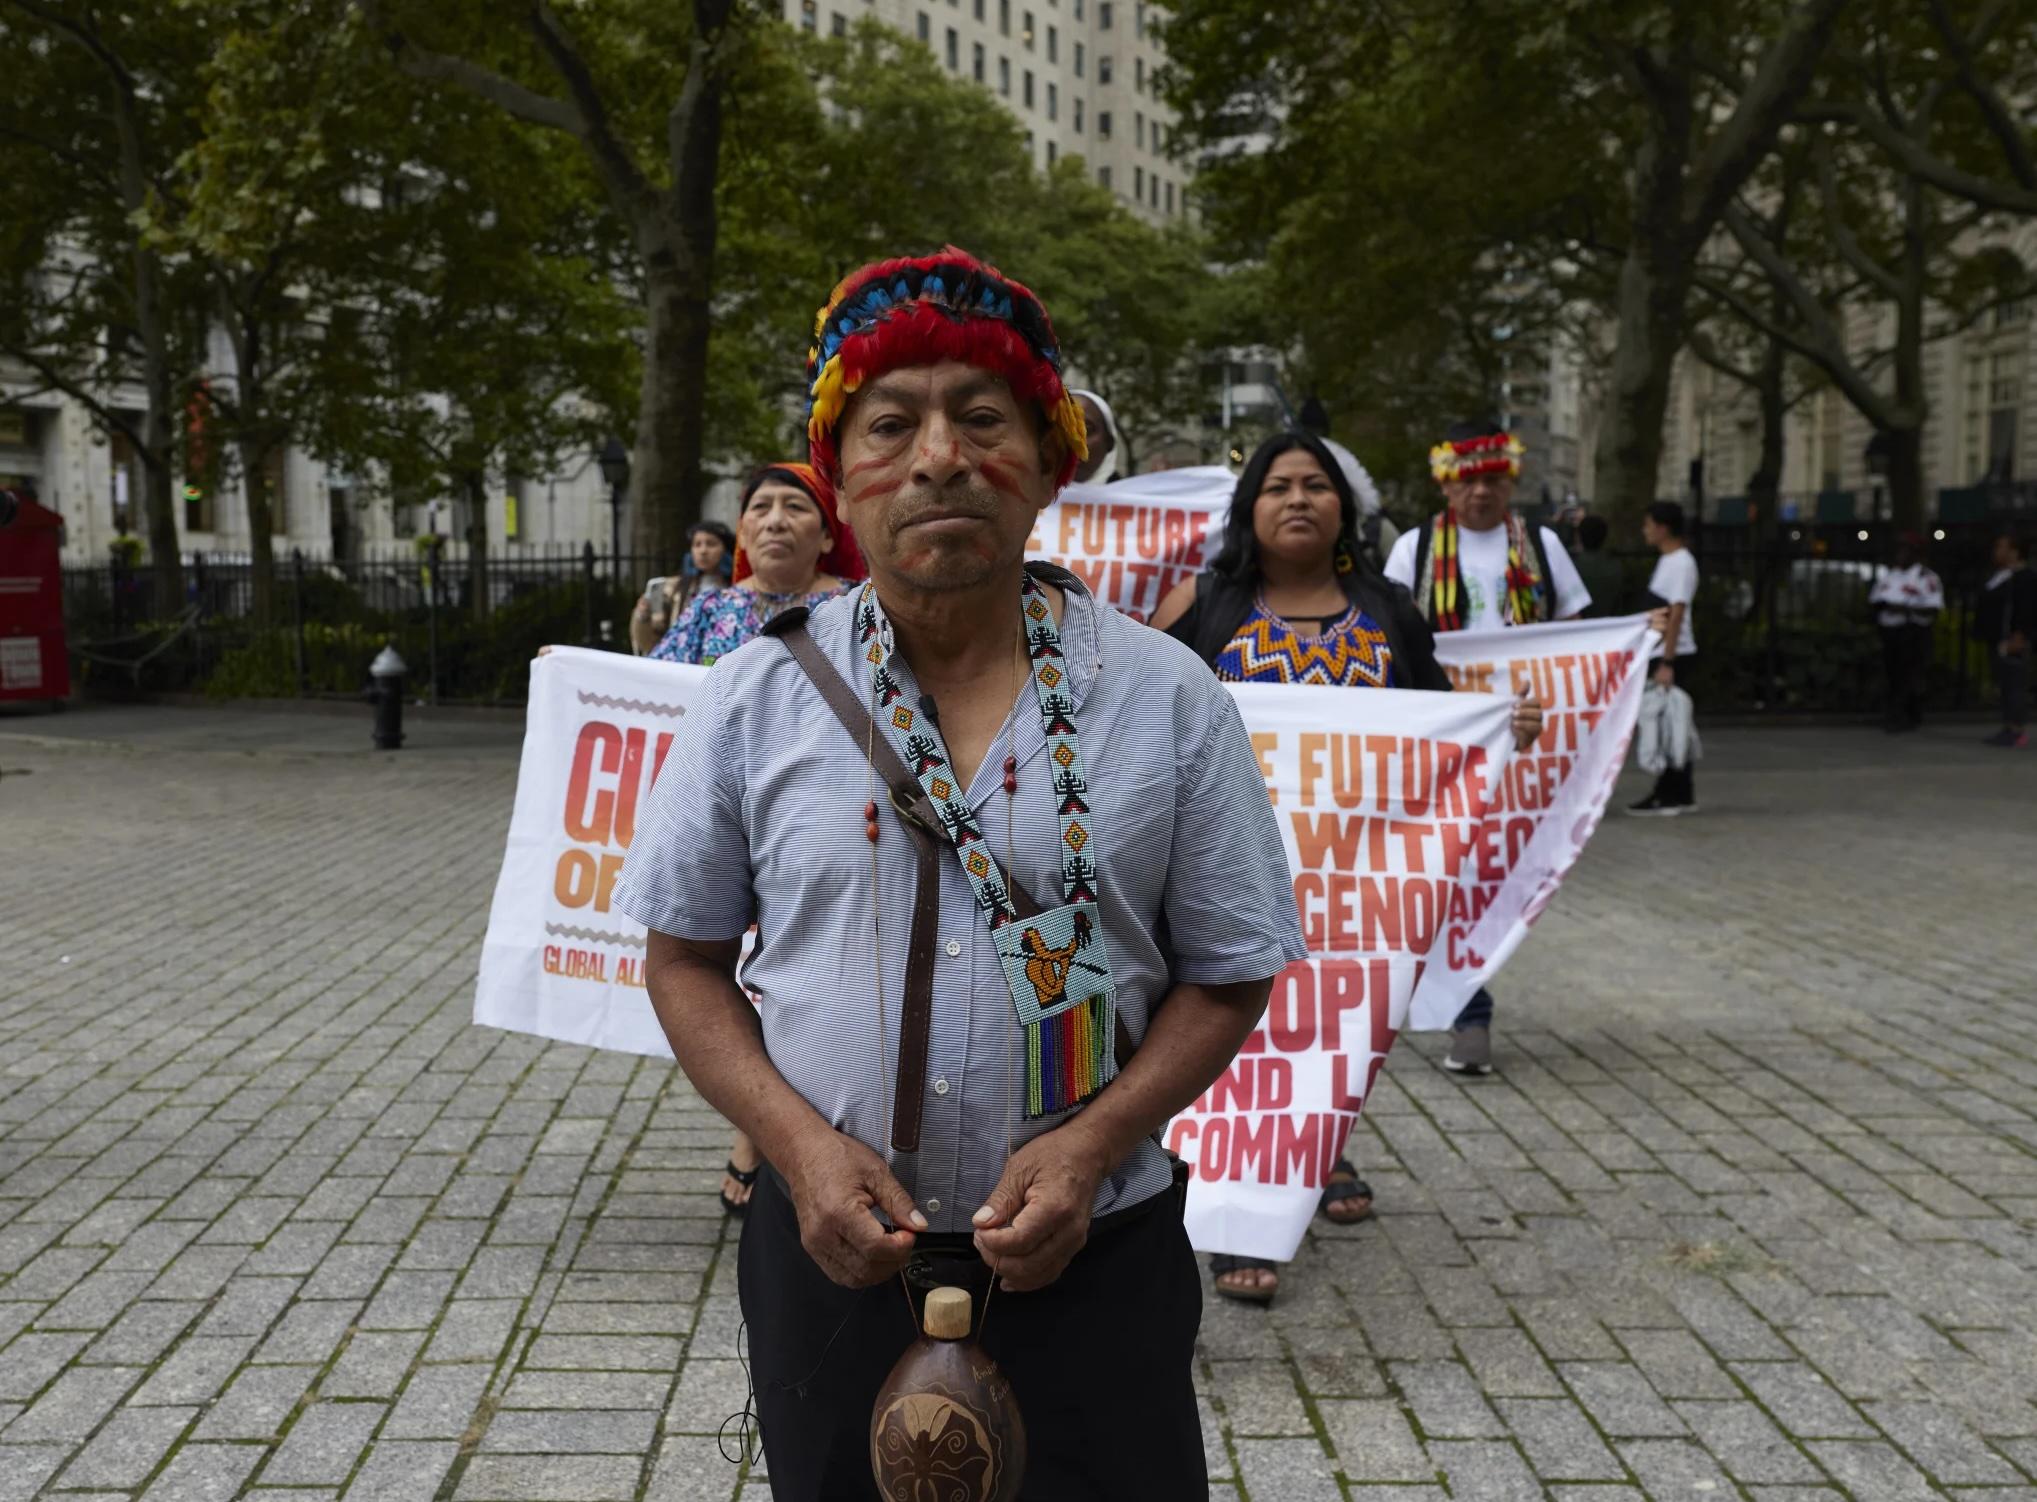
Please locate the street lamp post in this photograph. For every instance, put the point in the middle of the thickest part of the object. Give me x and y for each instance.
(615, 470)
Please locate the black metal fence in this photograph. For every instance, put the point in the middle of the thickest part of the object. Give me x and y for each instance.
(1782, 621)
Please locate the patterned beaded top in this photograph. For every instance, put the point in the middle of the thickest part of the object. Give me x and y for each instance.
(1351, 652)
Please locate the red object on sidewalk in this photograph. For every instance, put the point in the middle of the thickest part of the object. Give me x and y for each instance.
(33, 661)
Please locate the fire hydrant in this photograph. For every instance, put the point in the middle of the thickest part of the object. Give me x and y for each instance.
(387, 670)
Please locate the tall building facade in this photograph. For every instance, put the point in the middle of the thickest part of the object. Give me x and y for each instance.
(1079, 75)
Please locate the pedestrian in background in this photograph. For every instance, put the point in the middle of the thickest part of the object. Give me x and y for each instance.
(710, 561)
(1906, 601)
(2007, 622)
(1673, 585)
(1599, 570)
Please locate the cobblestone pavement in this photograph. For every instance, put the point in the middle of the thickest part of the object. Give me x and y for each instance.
(1748, 1211)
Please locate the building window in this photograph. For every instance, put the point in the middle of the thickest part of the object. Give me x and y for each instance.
(1029, 88)
(1053, 44)
(809, 14)
(1103, 15)
(1029, 31)
(1004, 17)
(1004, 76)
(1157, 138)
(1078, 59)
(1053, 110)
(1051, 152)
(1139, 21)
(976, 60)
(839, 23)
(1029, 143)
(1170, 199)
(1139, 73)
(1103, 68)
(1103, 176)
(1153, 190)
(979, 9)
(1103, 125)
(1078, 114)
(954, 50)
(1078, 9)
(1139, 128)
(926, 27)
(1138, 183)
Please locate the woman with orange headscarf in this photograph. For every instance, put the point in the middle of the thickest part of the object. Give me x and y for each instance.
(791, 549)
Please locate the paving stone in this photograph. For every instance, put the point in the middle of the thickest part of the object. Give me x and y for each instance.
(400, 1471)
(1373, 1442)
(373, 1364)
(1295, 1469)
(203, 1473)
(1486, 1469)
(1872, 1472)
(33, 1361)
(550, 1478)
(590, 1431)
(1445, 1399)
(257, 1403)
(129, 1446)
(1747, 1443)
(1944, 1446)
(24, 1468)
(438, 1402)
(71, 1407)
(1559, 1440)
(1259, 1397)
(1677, 1365)
(1801, 1400)
(1619, 1398)
(323, 1444)
(196, 1370)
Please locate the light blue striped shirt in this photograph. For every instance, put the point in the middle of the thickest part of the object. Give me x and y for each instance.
(757, 816)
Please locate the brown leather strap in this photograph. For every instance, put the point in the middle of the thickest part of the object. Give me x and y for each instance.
(916, 811)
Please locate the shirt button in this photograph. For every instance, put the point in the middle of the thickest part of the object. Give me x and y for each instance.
(933, 1207)
(940, 1087)
(954, 948)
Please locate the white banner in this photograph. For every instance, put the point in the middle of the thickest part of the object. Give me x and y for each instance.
(1133, 540)
(1589, 676)
(1409, 829)
(560, 959)
(1381, 795)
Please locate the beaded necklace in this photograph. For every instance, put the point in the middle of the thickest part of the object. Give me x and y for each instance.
(1054, 963)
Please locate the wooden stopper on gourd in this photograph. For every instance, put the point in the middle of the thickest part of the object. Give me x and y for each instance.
(949, 1314)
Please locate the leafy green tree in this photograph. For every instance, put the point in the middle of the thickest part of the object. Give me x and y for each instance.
(1390, 156)
(1922, 94)
(609, 78)
(87, 303)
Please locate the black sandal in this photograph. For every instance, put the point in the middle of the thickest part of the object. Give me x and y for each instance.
(1347, 1187)
(1221, 1263)
(747, 1180)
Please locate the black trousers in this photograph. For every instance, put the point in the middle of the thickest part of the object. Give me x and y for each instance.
(1905, 659)
(1100, 1359)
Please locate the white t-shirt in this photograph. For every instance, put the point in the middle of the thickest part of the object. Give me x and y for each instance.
(1675, 582)
(1908, 596)
(1482, 566)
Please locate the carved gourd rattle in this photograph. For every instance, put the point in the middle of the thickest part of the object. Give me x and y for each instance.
(946, 1426)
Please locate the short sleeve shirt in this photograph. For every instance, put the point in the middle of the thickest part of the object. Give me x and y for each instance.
(757, 816)
(1675, 582)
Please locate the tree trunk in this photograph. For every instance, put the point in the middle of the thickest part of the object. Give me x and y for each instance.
(254, 464)
(1764, 486)
(158, 436)
(1905, 477)
(667, 479)
(477, 545)
(1654, 284)
(1906, 445)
